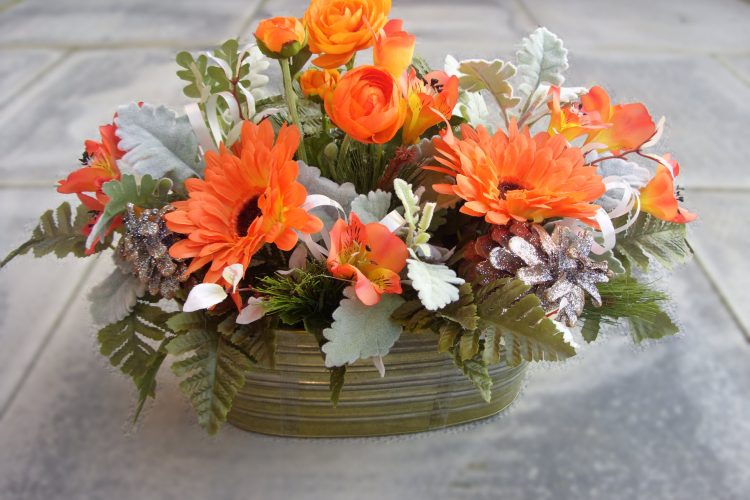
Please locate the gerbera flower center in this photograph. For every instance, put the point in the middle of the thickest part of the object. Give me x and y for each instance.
(504, 187)
(246, 214)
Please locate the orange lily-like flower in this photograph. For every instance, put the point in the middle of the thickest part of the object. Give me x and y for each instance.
(516, 176)
(281, 37)
(616, 128)
(430, 100)
(659, 197)
(337, 29)
(100, 166)
(250, 196)
(318, 82)
(394, 48)
(370, 254)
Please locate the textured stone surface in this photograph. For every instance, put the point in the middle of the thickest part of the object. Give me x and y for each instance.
(645, 25)
(94, 23)
(20, 68)
(703, 101)
(666, 421)
(44, 129)
(722, 247)
(33, 293)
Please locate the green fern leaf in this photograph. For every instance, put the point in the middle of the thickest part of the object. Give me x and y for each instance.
(655, 238)
(475, 369)
(58, 232)
(214, 371)
(509, 314)
(128, 344)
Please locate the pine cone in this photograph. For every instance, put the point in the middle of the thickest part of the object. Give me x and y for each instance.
(487, 258)
(145, 248)
(560, 270)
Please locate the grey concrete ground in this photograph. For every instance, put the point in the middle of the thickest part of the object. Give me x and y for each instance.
(671, 420)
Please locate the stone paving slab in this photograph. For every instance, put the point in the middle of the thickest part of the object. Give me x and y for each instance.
(95, 23)
(44, 130)
(721, 243)
(742, 66)
(697, 26)
(704, 104)
(666, 421)
(33, 293)
(19, 68)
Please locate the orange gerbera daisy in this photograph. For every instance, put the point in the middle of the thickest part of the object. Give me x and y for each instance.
(517, 177)
(250, 196)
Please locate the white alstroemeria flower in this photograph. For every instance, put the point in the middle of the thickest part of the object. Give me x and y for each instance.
(207, 295)
(252, 312)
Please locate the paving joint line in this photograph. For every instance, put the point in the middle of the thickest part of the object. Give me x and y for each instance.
(59, 318)
(728, 306)
(34, 79)
(526, 10)
(721, 59)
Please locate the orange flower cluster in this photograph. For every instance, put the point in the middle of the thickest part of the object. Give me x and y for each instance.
(319, 83)
(250, 196)
(99, 166)
(516, 176)
(281, 37)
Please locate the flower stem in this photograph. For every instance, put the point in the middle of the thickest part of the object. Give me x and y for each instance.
(291, 101)
(343, 152)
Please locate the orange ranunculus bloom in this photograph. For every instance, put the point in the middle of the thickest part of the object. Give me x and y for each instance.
(370, 254)
(659, 198)
(394, 48)
(339, 28)
(250, 196)
(618, 127)
(319, 82)
(517, 177)
(100, 166)
(430, 101)
(367, 104)
(281, 36)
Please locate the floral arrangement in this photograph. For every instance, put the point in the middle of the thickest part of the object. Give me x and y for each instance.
(482, 201)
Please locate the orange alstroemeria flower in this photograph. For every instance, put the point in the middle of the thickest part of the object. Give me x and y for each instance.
(281, 36)
(337, 29)
(616, 128)
(394, 48)
(367, 104)
(430, 101)
(250, 196)
(100, 166)
(659, 197)
(319, 82)
(370, 254)
(517, 177)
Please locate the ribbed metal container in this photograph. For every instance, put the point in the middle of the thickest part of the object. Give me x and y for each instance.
(422, 390)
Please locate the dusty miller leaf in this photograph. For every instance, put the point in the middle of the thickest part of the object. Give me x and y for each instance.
(492, 76)
(435, 283)
(541, 59)
(114, 298)
(371, 207)
(157, 142)
(359, 331)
